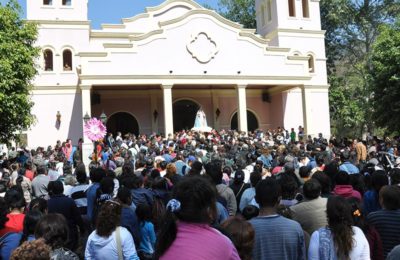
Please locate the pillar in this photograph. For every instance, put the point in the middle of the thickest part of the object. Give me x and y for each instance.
(168, 117)
(215, 106)
(242, 107)
(87, 146)
(307, 113)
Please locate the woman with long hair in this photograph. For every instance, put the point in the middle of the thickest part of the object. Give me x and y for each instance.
(110, 240)
(186, 232)
(340, 239)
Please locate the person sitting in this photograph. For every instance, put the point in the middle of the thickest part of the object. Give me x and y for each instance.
(186, 233)
(110, 240)
(339, 240)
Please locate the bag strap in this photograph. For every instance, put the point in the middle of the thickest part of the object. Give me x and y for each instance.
(237, 194)
(119, 246)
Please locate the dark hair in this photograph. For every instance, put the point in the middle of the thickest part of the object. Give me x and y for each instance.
(108, 218)
(250, 211)
(30, 221)
(3, 213)
(155, 173)
(324, 180)
(390, 196)
(39, 204)
(395, 176)
(80, 173)
(97, 174)
(304, 171)
(311, 189)
(255, 178)
(268, 192)
(214, 170)
(340, 223)
(143, 212)
(124, 195)
(242, 235)
(41, 169)
(53, 228)
(288, 186)
(160, 183)
(342, 178)
(197, 197)
(55, 188)
(378, 180)
(14, 198)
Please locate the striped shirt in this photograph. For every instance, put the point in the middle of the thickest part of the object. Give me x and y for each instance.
(277, 237)
(387, 223)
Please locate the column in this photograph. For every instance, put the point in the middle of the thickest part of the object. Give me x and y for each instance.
(87, 146)
(306, 103)
(242, 107)
(154, 110)
(168, 118)
(215, 106)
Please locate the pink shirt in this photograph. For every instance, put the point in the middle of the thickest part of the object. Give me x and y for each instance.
(200, 242)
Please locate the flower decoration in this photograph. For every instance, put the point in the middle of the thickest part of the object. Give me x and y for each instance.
(94, 129)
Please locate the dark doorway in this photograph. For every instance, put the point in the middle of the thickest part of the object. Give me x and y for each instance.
(122, 122)
(184, 114)
(252, 122)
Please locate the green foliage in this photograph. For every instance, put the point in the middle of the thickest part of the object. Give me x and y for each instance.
(386, 77)
(17, 69)
(240, 11)
(352, 27)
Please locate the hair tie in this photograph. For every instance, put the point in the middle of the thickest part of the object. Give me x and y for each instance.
(357, 213)
(174, 205)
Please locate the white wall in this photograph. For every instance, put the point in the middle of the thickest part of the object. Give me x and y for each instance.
(77, 11)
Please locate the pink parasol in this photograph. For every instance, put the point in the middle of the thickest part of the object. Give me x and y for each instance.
(95, 130)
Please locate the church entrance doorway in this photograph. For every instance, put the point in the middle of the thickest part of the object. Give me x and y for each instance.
(184, 114)
(252, 122)
(122, 122)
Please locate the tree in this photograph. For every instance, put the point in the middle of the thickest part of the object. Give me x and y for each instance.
(386, 77)
(240, 11)
(17, 69)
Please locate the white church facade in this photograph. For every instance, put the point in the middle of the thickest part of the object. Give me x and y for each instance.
(152, 72)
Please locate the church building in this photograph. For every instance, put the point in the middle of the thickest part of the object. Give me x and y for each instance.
(152, 72)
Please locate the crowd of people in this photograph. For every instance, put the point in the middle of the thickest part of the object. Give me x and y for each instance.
(220, 195)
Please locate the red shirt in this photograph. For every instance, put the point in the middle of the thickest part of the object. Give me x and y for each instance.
(29, 174)
(15, 223)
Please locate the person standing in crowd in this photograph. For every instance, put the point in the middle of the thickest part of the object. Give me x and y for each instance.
(249, 194)
(387, 220)
(311, 213)
(241, 233)
(186, 233)
(339, 240)
(40, 182)
(276, 237)
(238, 186)
(110, 240)
(147, 234)
(371, 197)
(96, 175)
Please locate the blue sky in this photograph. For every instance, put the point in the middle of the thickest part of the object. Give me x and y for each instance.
(111, 11)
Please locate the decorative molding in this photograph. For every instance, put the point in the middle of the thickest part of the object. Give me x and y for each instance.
(63, 22)
(254, 37)
(145, 35)
(198, 49)
(171, 2)
(92, 54)
(277, 49)
(117, 45)
(113, 26)
(134, 18)
(102, 34)
(295, 57)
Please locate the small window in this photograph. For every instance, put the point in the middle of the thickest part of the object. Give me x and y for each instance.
(47, 2)
(67, 60)
(66, 2)
(311, 67)
(48, 60)
(292, 8)
(306, 13)
(262, 15)
(269, 11)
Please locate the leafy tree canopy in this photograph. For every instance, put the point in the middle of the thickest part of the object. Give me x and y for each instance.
(17, 69)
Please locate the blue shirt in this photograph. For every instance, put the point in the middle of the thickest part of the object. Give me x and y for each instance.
(91, 198)
(147, 237)
(349, 168)
(277, 237)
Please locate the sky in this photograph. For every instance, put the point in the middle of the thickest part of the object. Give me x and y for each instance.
(111, 11)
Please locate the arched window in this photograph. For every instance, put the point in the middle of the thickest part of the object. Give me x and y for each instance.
(311, 67)
(48, 60)
(66, 2)
(47, 2)
(67, 60)
(292, 8)
(269, 10)
(304, 4)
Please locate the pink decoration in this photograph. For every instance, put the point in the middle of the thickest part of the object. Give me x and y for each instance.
(95, 129)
